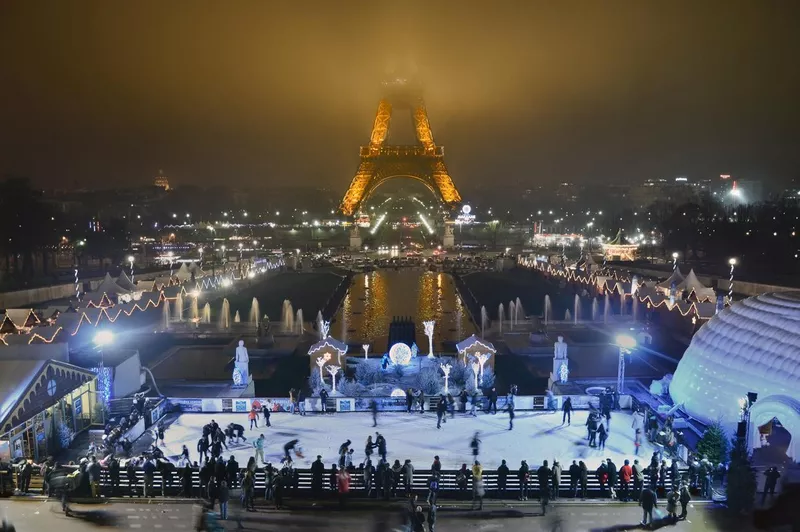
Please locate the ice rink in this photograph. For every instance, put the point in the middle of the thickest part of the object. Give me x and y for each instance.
(536, 436)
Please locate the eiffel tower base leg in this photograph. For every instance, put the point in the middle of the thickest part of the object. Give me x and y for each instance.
(449, 238)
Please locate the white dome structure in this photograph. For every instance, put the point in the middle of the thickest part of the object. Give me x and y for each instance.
(752, 346)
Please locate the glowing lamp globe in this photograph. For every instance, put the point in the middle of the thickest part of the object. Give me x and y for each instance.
(103, 338)
(400, 354)
(626, 341)
(397, 392)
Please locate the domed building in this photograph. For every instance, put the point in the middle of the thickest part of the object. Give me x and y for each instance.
(752, 346)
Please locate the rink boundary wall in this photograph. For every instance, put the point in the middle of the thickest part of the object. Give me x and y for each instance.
(243, 405)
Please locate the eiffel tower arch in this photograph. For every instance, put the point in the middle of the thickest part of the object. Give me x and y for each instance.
(380, 161)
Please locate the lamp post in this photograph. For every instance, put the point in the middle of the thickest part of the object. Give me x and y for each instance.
(131, 259)
(674, 260)
(732, 262)
(626, 344)
(102, 339)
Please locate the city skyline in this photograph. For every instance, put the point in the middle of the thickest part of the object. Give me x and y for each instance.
(250, 95)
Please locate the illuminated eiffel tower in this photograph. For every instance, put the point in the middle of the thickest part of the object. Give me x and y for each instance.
(380, 162)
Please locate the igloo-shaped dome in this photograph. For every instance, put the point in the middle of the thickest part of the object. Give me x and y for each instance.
(752, 346)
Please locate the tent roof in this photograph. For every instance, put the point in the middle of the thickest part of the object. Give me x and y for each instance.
(692, 284)
(472, 341)
(125, 282)
(183, 273)
(110, 287)
(676, 277)
(21, 316)
(341, 347)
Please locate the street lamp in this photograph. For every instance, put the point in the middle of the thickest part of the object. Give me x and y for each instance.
(674, 260)
(131, 259)
(732, 262)
(626, 344)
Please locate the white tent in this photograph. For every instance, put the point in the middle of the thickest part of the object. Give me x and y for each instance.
(677, 277)
(693, 284)
(125, 282)
(109, 286)
(183, 274)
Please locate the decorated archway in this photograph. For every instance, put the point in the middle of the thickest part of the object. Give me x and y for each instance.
(782, 407)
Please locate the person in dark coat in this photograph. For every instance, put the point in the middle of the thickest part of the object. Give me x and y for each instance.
(113, 474)
(543, 475)
(574, 478)
(130, 472)
(584, 478)
(502, 479)
(492, 407)
(567, 409)
(432, 518)
(317, 472)
(602, 436)
(524, 478)
(323, 399)
(409, 400)
(772, 475)
(186, 481)
(462, 399)
(591, 429)
(202, 449)
(602, 478)
(648, 502)
(613, 474)
(232, 469)
(441, 411)
(380, 442)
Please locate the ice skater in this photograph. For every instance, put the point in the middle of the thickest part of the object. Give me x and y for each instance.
(373, 407)
(441, 411)
(259, 447)
(475, 444)
(380, 443)
(567, 409)
(510, 408)
(235, 431)
(253, 416)
(287, 449)
(266, 413)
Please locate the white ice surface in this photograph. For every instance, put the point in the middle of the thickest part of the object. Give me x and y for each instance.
(536, 436)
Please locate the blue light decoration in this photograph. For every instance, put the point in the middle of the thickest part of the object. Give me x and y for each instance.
(65, 435)
(103, 383)
(414, 350)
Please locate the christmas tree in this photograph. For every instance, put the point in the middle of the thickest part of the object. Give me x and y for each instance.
(714, 444)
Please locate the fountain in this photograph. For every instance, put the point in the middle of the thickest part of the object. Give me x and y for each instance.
(194, 311)
(255, 312)
(319, 324)
(206, 313)
(165, 314)
(567, 316)
(484, 321)
(606, 309)
(500, 316)
(622, 304)
(595, 309)
(511, 313)
(179, 308)
(237, 318)
(520, 311)
(577, 308)
(225, 315)
(301, 328)
(287, 316)
(548, 308)
(635, 307)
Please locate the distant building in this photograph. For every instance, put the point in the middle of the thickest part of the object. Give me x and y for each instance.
(161, 180)
(677, 191)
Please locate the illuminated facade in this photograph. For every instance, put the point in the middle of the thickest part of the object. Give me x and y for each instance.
(380, 161)
(161, 181)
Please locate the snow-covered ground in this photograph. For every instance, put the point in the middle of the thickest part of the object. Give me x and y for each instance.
(536, 436)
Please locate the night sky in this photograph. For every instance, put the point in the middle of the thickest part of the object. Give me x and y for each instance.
(266, 92)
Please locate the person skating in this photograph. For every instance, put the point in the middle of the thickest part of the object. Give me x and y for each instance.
(567, 409)
(602, 436)
(648, 502)
(380, 442)
(591, 428)
(421, 401)
(441, 411)
(290, 446)
(373, 408)
(160, 433)
(523, 475)
(236, 431)
(451, 405)
(474, 404)
(409, 400)
(492, 407)
(348, 460)
(475, 444)
(368, 447)
(266, 413)
(343, 449)
(301, 402)
(202, 449)
(510, 409)
(323, 400)
(462, 398)
(259, 447)
(543, 475)
(253, 417)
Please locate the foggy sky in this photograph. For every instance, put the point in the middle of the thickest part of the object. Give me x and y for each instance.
(269, 92)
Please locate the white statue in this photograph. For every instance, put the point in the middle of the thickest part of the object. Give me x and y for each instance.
(429, 333)
(482, 359)
(446, 369)
(365, 347)
(563, 373)
(321, 363)
(241, 366)
(475, 369)
(560, 348)
(325, 329)
(333, 370)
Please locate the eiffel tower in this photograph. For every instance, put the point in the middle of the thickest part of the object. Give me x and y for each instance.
(380, 161)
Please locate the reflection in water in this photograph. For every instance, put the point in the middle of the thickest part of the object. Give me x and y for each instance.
(373, 301)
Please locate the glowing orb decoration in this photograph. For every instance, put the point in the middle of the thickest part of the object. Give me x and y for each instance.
(400, 354)
(466, 209)
(397, 392)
